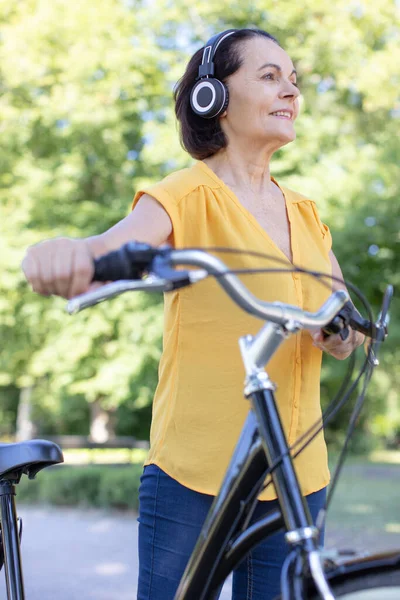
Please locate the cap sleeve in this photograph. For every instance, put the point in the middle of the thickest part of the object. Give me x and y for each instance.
(325, 231)
(170, 205)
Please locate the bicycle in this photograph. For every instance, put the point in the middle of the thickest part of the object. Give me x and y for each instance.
(262, 448)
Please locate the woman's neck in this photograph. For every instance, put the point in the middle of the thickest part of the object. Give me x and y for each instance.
(240, 170)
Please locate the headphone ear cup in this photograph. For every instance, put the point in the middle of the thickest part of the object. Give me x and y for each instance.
(209, 98)
(225, 105)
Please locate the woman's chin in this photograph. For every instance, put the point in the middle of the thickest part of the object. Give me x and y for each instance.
(280, 140)
(291, 138)
(285, 137)
(282, 135)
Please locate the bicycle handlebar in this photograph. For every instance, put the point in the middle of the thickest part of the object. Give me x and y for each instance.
(276, 312)
(133, 260)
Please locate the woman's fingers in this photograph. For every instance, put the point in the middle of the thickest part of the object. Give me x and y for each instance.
(82, 270)
(96, 285)
(43, 259)
(31, 271)
(334, 345)
(62, 271)
(61, 266)
(318, 337)
(36, 269)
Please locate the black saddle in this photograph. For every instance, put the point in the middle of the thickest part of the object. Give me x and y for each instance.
(27, 457)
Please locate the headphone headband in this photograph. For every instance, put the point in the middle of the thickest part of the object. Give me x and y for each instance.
(206, 69)
(209, 96)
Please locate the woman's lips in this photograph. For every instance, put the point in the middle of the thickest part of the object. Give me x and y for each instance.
(282, 114)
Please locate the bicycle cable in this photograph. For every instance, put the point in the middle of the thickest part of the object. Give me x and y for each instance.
(340, 462)
(334, 405)
(295, 269)
(309, 439)
(337, 403)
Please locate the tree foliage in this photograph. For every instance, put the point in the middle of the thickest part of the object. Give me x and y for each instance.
(87, 117)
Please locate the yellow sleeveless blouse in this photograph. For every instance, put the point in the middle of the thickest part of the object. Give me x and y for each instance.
(199, 407)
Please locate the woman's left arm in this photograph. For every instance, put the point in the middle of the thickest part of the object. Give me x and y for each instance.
(334, 344)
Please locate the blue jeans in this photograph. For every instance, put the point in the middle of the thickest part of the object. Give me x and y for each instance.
(170, 518)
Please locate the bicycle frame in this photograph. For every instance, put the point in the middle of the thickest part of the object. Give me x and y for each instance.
(11, 541)
(226, 536)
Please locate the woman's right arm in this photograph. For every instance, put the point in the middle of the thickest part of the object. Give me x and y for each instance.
(64, 266)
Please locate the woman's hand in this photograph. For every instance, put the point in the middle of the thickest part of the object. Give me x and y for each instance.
(60, 266)
(334, 344)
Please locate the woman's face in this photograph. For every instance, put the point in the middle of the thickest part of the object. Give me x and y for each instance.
(263, 97)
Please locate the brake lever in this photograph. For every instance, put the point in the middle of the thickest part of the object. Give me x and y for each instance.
(384, 317)
(152, 283)
(113, 289)
(381, 326)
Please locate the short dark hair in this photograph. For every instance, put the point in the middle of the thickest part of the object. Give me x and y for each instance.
(203, 137)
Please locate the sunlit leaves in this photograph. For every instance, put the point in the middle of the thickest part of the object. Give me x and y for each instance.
(86, 118)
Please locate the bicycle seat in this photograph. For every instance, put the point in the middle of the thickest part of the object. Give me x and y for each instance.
(28, 457)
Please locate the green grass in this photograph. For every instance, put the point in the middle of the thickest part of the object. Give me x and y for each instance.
(367, 496)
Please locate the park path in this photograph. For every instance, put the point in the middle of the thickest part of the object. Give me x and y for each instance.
(74, 554)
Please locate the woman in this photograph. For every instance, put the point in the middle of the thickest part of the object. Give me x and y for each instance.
(227, 198)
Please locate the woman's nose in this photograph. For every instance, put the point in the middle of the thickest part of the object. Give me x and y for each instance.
(289, 90)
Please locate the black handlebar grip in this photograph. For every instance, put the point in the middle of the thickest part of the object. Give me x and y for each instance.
(112, 267)
(129, 262)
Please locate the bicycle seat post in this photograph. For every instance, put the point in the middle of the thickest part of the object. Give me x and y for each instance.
(11, 545)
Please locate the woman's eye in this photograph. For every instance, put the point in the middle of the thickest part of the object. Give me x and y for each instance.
(273, 77)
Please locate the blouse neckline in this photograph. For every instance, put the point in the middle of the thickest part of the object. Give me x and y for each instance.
(251, 217)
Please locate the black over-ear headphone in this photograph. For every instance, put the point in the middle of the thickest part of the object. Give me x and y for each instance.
(209, 96)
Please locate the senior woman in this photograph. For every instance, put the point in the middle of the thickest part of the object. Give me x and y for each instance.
(236, 104)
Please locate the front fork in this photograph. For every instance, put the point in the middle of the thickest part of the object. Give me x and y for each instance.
(298, 567)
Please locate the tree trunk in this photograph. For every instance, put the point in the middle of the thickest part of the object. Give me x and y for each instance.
(102, 423)
(25, 429)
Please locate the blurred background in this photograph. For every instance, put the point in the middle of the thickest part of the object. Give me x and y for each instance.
(86, 117)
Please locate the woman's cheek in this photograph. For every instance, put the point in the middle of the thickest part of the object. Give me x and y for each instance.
(296, 107)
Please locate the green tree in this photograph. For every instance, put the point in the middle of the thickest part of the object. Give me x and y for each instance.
(87, 118)
(74, 97)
